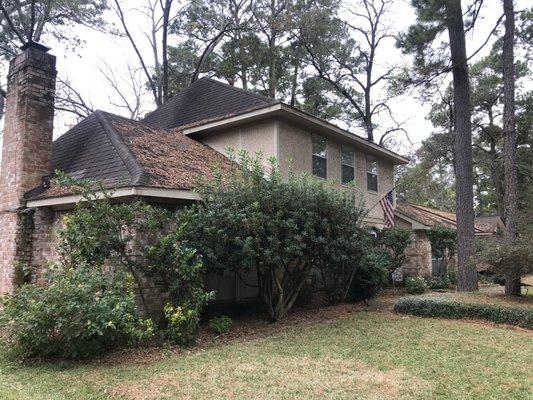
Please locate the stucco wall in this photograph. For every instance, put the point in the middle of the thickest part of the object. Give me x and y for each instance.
(259, 136)
(295, 152)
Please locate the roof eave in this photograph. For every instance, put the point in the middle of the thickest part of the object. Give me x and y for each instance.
(299, 117)
(125, 193)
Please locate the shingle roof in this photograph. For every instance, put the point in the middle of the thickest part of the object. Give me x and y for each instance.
(432, 217)
(120, 152)
(490, 223)
(205, 99)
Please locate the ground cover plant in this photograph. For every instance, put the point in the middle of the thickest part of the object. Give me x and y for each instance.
(366, 355)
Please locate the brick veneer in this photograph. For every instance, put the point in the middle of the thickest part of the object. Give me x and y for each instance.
(26, 158)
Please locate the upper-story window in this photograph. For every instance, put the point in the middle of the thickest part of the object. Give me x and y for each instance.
(320, 157)
(371, 173)
(347, 165)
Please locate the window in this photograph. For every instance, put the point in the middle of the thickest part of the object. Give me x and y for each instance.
(371, 173)
(320, 157)
(347, 165)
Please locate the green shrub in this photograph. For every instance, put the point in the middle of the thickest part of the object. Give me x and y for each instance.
(79, 312)
(439, 282)
(178, 270)
(183, 324)
(508, 259)
(441, 308)
(395, 241)
(371, 275)
(443, 243)
(416, 285)
(220, 324)
(282, 228)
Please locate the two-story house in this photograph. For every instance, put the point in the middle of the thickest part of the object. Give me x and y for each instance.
(159, 158)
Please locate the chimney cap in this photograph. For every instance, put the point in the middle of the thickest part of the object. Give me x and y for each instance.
(34, 45)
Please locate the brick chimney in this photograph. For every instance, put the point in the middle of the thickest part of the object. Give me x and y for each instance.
(26, 150)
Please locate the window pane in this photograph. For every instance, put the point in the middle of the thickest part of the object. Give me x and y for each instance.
(371, 181)
(319, 146)
(348, 173)
(320, 167)
(347, 156)
(371, 165)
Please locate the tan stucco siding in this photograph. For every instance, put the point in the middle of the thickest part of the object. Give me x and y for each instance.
(295, 152)
(402, 223)
(260, 136)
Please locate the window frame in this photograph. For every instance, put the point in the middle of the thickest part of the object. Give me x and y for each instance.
(352, 151)
(314, 154)
(372, 159)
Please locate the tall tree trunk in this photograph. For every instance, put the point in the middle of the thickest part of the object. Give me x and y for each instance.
(467, 275)
(512, 283)
(165, 77)
(294, 83)
(272, 76)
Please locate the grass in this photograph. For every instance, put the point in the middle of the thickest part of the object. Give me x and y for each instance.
(488, 295)
(363, 355)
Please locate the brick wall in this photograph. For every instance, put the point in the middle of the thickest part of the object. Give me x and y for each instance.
(26, 157)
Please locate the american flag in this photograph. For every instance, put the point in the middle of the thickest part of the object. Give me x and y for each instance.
(388, 211)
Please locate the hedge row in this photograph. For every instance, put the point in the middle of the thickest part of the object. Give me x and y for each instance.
(441, 308)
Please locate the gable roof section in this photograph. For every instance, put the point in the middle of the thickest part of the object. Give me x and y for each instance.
(119, 152)
(205, 99)
(208, 105)
(430, 217)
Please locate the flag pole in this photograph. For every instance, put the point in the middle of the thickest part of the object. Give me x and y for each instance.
(374, 206)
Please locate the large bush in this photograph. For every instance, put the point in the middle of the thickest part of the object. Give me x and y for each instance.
(179, 271)
(78, 312)
(441, 308)
(508, 259)
(281, 227)
(88, 304)
(443, 243)
(371, 274)
(395, 241)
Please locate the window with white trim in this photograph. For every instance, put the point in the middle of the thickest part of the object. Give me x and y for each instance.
(347, 165)
(371, 173)
(320, 159)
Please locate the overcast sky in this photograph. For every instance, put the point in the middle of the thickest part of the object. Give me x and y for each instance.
(82, 65)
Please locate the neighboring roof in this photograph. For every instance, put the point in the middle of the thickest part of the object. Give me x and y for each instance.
(490, 223)
(120, 152)
(205, 99)
(430, 217)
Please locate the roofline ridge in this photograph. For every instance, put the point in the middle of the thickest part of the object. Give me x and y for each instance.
(267, 99)
(428, 210)
(137, 173)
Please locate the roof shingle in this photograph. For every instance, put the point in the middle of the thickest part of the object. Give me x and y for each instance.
(205, 99)
(119, 152)
(432, 217)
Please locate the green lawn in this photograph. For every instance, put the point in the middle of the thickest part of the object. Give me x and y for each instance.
(363, 355)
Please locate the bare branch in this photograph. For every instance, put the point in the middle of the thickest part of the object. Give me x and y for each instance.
(71, 101)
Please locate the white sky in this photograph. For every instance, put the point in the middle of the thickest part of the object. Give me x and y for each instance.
(81, 65)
